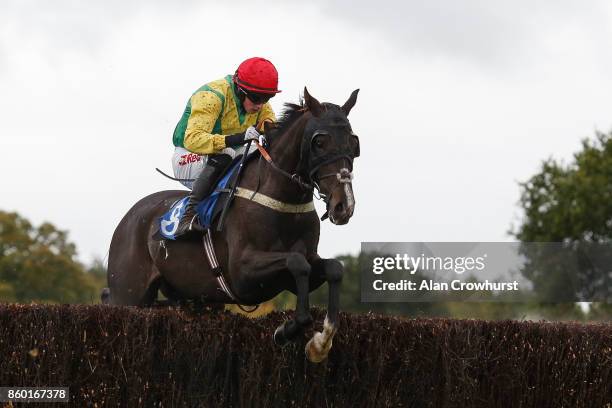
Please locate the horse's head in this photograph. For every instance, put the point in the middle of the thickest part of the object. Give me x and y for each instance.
(328, 149)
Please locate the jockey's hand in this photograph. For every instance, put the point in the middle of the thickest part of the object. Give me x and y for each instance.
(251, 134)
(241, 138)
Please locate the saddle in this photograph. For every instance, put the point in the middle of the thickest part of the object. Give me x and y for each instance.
(208, 210)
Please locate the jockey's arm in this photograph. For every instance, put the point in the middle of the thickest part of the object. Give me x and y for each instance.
(205, 109)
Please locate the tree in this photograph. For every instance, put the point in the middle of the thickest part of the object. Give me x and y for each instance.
(97, 271)
(571, 204)
(38, 264)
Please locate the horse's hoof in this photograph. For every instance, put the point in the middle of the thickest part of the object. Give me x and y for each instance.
(316, 350)
(279, 336)
(314, 355)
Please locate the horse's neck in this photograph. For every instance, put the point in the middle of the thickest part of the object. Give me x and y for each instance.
(285, 153)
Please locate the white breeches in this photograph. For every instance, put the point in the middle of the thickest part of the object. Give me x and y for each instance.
(188, 166)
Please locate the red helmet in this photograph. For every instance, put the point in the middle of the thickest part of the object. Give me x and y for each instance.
(257, 75)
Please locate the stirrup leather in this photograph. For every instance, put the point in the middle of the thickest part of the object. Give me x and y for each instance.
(209, 250)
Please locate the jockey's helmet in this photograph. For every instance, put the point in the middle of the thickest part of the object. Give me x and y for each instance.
(257, 75)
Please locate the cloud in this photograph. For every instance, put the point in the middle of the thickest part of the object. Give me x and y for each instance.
(489, 33)
(67, 27)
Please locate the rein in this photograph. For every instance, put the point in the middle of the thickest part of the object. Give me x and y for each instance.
(293, 177)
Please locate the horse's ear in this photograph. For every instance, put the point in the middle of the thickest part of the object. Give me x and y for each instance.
(348, 105)
(312, 104)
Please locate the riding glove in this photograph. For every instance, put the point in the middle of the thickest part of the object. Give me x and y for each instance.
(238, 139)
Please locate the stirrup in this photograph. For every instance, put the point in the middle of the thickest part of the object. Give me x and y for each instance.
(195, 226)
(188, 227)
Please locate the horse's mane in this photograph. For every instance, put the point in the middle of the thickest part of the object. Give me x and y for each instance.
(291, 113)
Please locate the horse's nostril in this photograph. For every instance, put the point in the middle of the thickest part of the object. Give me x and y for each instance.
(339, 208)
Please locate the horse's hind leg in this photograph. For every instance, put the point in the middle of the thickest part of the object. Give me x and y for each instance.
(132, 282)
(318, 347)
(132, 294)
(150, 295)
(105, 296)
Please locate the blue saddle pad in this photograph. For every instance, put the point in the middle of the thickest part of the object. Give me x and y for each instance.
(169, 222)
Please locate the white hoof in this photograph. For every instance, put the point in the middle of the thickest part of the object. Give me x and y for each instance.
(318, 348)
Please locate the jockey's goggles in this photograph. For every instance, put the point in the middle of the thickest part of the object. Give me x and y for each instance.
(256, 98)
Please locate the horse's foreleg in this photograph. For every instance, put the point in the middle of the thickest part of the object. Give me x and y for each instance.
(258, 268)
(300, 269)
(318, 347)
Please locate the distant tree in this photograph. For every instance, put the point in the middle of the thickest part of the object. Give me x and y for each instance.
(600, 312)
(571, 204)
(97, 273)
(7, 293)
(38, 264)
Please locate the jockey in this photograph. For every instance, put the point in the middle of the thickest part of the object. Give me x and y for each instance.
(219, 119)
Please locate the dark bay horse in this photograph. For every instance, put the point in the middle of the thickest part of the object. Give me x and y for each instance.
(264, 248)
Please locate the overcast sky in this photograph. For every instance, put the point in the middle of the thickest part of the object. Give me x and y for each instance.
(459, 101)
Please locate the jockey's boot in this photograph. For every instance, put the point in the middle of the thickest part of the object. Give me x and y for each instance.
(202, 185)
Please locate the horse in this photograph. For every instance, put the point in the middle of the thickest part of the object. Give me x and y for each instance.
(263, 248)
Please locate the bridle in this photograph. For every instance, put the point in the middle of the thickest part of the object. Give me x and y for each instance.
(344, 176)
(312, 183)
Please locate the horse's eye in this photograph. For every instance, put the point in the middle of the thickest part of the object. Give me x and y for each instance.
(319, 141)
